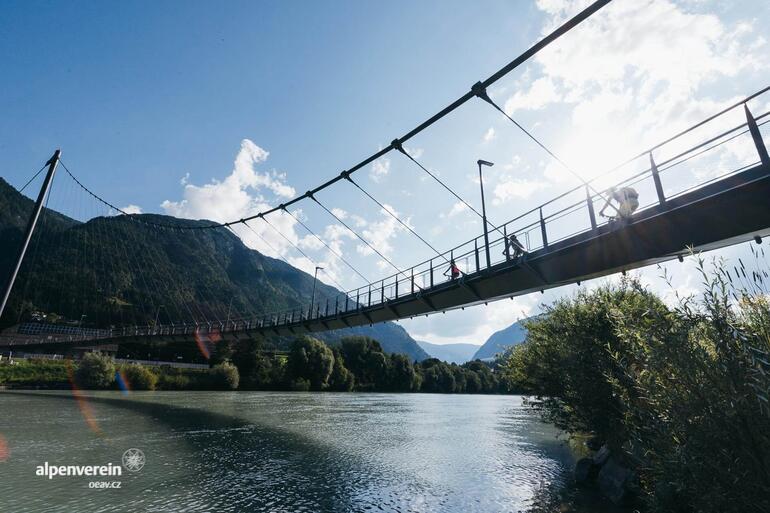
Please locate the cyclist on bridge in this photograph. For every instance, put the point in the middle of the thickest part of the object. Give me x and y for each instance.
(452, 272)
(627, 199)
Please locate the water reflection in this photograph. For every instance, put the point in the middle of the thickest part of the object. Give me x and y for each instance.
(283, 452)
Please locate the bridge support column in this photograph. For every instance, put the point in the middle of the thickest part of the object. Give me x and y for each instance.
(656, 179)
(542, 230)
(54, 160)
(757, 136)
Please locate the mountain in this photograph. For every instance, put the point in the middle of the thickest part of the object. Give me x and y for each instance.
(125, 270)
(501, 340)
(453, 353)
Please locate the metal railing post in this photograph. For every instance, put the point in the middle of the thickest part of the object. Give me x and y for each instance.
(412, 280)
(542, 229)
(757, 136)
(656, 179)
(476, 251)
(505, 243)
(431, 273)
(590, 204)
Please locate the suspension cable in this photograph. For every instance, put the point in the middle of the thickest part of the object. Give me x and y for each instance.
(394, 216)
(397, 144)
(33, 177)
(386, 259)
(335, 253)
(296, 246)
(533, 50)
(341, 289)
(481, 92)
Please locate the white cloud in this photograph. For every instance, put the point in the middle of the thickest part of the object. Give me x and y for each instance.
(489, 135)
(238, 195)
(132, 209)
(632, 74)
(380, 169)
(246, 191)
(380, 233)
(457, 208)
(541, 93)
(415, 153)
(517, 189)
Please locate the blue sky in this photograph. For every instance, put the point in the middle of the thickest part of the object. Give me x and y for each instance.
(212, 110)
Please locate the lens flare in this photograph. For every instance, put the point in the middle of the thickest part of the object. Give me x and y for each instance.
(123, 383)
(202, 343)
(82, 402)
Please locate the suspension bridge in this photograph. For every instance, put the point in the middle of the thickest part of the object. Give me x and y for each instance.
(691, 199)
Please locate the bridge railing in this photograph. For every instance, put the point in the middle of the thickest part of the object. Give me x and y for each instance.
(686, 162)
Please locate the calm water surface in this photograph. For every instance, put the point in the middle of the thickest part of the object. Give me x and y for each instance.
(278, 452)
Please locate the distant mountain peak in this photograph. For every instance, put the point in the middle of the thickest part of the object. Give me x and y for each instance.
(501, 340)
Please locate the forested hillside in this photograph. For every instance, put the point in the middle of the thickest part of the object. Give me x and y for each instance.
(124, 270)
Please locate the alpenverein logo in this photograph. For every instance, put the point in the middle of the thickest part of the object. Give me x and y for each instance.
(133, 460)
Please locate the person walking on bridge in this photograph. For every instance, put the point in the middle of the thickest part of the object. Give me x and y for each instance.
(452, 272)
(513, 247)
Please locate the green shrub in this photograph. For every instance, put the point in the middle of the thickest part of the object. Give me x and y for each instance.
(224, 376)
(139, 377)
(95, 370)
(681, 393)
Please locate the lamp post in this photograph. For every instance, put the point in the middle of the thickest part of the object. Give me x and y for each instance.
(157, 314)
(484, 210)
(312, 298)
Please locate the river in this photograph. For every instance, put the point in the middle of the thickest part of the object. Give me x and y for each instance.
(278, 452)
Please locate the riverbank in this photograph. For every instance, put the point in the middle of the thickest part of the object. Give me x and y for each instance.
(356, 364)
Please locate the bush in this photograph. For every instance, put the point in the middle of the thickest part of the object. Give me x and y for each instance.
(95, 370)
(139, 377)
(224, 376)
(681, 393)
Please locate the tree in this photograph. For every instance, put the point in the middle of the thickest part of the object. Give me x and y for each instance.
(437, 377)
(367, 361)
(311, 360)
(401, 374)
(488, 380)
(224, 376)
(95, 370)
(567, 359)
(341, 380)
(257, 370)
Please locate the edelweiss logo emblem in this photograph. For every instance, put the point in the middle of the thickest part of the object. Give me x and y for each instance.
(133, 460)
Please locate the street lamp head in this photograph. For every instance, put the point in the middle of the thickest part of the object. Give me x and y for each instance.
(485, 163)
(318, 268)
